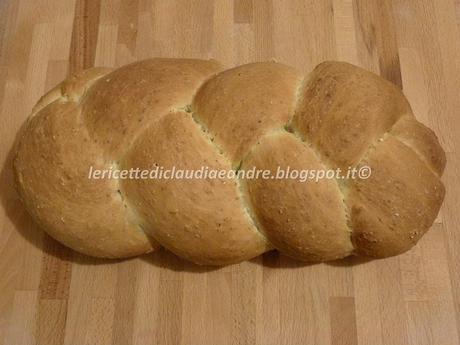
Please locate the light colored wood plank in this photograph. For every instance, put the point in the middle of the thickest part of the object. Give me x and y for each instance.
(21, 328)
(51, 321)
(343, 321)
(145, 318)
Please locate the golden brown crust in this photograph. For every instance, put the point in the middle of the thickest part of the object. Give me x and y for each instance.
(52, 165)
(245, 103)
(422, 140)
(343, 109)
(305, 220)
(124, 102)
(202, 220)
(73, 88)
(392, 209)
(189, 114)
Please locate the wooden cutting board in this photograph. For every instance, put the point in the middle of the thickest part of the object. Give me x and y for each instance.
(50, 295)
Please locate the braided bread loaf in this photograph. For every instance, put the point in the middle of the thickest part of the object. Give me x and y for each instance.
(192, 113)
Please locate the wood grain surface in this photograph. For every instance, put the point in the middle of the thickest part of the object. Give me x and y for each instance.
(51, 295)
